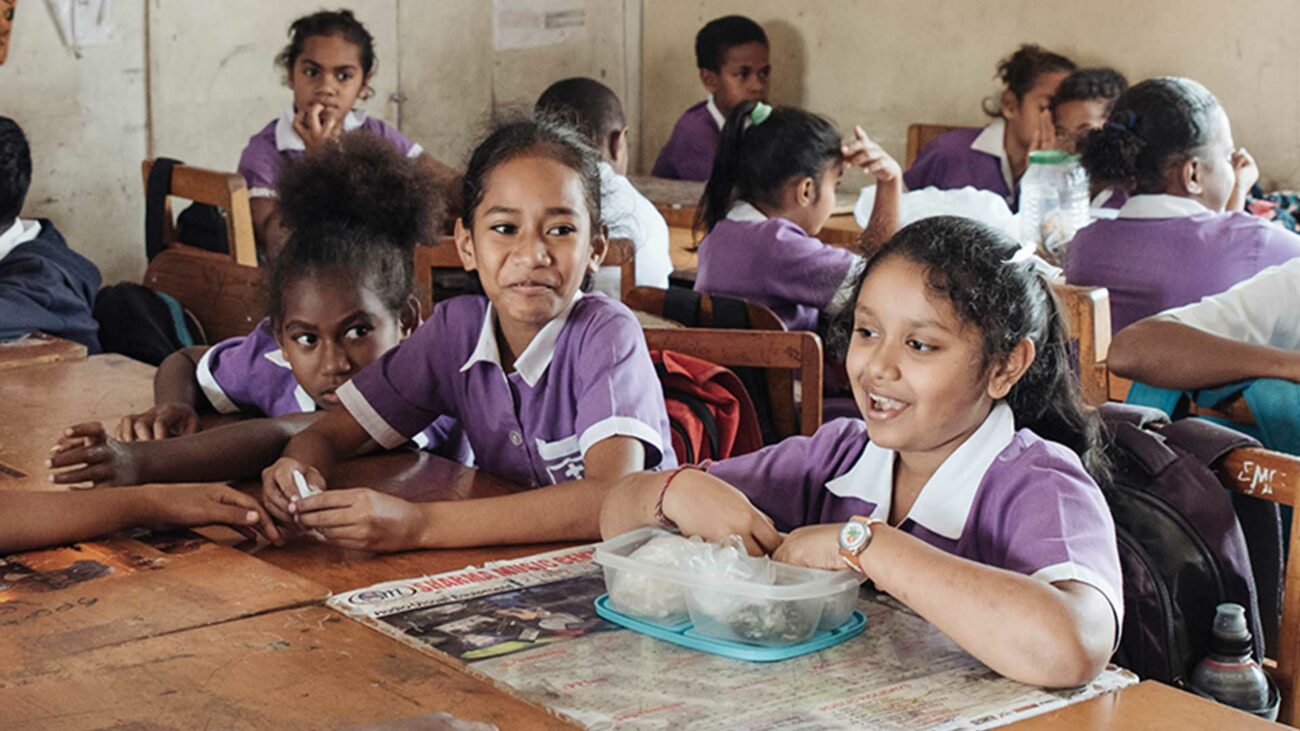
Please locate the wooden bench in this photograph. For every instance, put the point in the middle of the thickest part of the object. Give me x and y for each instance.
(225, 190)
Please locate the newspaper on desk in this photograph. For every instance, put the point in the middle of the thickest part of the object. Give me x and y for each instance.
(530, 624)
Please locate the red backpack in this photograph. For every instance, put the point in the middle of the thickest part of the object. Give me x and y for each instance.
(709, 411)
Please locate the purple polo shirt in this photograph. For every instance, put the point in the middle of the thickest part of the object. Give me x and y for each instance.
(1004, 498)
(250, 375)
(585, 377)
(772, 262)
(962, 157)
(277, 143)
(688, 154)
(1166, 251)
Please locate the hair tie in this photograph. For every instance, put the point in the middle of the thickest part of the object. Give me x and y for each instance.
(760, 113)
(1029, 253)
(1127, 120)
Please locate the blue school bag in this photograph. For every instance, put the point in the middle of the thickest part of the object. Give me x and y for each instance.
(1182, 546)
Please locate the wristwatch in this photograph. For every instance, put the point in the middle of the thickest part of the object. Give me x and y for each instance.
(855, 536)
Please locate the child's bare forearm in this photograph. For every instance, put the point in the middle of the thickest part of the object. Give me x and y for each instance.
(229, 452)
(883, 223)
(30, 520)
(176, 382)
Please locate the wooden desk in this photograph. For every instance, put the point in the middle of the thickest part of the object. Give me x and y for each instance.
(840, 230)
(1147, 705)
(37, 348)
(295, 669)
(39, 403)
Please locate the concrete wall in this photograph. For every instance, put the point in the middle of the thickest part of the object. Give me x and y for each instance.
(193, 79)
(887, 63)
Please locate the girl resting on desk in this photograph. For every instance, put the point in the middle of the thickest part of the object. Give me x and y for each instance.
(966, 492)
(553, 387)
(341, 295)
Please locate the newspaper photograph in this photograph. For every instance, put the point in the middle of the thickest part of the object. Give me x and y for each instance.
(530, 625)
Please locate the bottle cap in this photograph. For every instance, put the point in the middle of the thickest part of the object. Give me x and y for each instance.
(1051, 157)
(1230, 635)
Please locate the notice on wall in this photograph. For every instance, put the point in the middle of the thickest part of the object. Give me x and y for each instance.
(520, 24)
(84, 22)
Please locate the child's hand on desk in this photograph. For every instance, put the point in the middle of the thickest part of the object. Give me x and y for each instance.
(209, 504)
(317, 125)
(815, 546)
(103, 460)
(702, 505)
(362, 519)
(1247, 174)
(160, 422)
(280, 487)
(863, 152)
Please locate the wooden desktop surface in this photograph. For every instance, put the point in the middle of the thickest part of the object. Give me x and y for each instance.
(302, 666)
(37, 348)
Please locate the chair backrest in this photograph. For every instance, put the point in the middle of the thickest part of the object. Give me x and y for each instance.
(779, 353)
(920, 135)
(228, 299)
(1275, 477)
(1086, 311)
(227, 191)
(651, 300)
(441, 255)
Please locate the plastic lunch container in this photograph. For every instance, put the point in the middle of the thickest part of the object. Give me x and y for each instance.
(800, 603)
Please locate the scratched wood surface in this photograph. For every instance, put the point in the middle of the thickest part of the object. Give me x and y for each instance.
(293, 669)
(39, 402)
(37, 348)
(75, 598)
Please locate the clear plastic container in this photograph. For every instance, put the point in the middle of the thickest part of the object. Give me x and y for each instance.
(1053, 202)
(800, 603)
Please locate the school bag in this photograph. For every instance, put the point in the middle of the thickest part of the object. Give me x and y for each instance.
(709, 412)
(684, 306)
(1182, 546)
(140, 323)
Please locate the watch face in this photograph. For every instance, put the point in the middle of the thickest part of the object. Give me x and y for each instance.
(853, 535)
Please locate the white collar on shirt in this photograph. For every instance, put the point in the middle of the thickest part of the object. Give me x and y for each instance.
(1160, 205)
(306, 404)
(992, 142)
(531, 363)
(746, 212)
(287, 139)
(20, 233)
(716, 113)
(945, 500)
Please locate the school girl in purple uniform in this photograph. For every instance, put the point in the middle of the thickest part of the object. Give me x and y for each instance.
(995, 157)
(772, 189)
(1169, 141)
(553, 387)
(967, 485)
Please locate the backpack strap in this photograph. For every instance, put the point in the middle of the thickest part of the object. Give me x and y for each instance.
(1113, 414)
(1205, 440)
(155, 204)
(730, 313)
(682, 305)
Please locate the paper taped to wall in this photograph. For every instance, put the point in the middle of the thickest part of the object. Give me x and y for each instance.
(84, 22)
(520, 24)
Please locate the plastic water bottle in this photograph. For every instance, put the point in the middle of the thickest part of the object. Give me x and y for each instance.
(1230, 674)
(1053, 202)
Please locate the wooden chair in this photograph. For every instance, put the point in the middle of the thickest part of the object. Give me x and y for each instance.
(228, 299)
(1275, 477)
(651, 300)
(920, 135)
(778, 352)
(1087, 315)
(227, 191)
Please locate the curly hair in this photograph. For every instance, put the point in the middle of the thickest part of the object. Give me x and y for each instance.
(328, 23)
(15, 170)
(1020, 71)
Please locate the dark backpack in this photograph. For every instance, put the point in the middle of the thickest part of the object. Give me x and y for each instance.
(1182, 547)
(200, 224)
(709, 413)
(143, 324)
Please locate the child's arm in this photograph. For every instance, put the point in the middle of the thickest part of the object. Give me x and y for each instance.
(1173, 355)
(268, 231)
(175, 397)
(863, 152)
(698, 503)
(31, 520)
(1053, 635)
(368, 520)
(1247, 174)
(228, 452)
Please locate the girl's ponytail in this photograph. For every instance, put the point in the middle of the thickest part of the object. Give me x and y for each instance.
(720, 190)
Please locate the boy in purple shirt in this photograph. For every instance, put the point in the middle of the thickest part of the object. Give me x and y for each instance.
(771, 191)
(732, 55)
(554, 388)
(951, 496)
(1170, 142)
(328, 64)
(995, 157)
